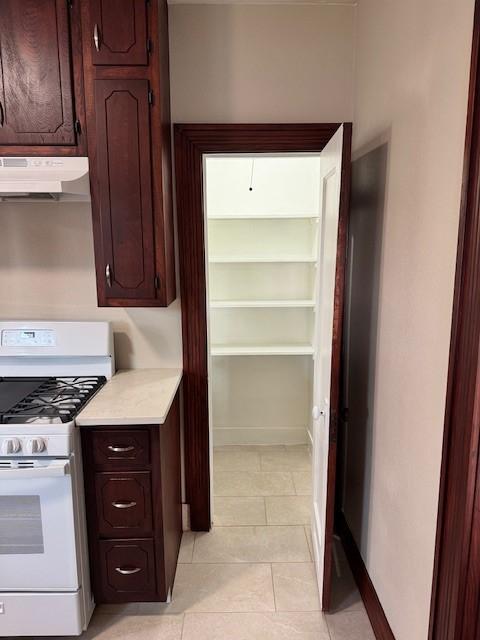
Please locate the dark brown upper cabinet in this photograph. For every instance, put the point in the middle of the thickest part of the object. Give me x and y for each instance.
(119, 32)
(128, 116)
(40, 73)
(125, 199)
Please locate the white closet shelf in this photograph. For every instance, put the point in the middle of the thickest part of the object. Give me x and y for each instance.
(273, 258)
(245, 304)
(263, 216)
(263, 350)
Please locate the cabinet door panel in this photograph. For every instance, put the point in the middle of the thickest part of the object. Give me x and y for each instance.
(35, 73)
(125, 187)
(119, 32)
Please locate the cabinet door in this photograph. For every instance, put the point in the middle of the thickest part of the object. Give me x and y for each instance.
(124, 184)
(119, 32)
(36, 104)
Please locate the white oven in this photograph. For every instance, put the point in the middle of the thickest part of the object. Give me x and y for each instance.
(37, 526)
(48, 372)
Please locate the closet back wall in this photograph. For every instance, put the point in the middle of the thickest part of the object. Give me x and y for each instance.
(227, 65)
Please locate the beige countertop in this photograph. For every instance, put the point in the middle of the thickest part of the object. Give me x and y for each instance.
(137, 396)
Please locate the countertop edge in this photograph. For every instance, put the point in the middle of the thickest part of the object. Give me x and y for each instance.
(131, 420)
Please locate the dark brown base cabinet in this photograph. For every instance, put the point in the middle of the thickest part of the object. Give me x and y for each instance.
(134, 512)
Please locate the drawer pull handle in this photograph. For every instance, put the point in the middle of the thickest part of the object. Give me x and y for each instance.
(108, 275)
(124, 505)
(120, 449)
(127, 571)
(96, 37)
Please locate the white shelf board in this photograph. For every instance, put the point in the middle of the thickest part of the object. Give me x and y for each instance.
(263, 350)
(273, 258)
(246, 304)
(263, 216)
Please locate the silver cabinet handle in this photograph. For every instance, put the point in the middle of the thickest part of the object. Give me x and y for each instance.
(124, 505)
(2, 115)
(127, 571)
(120, 449)
(96, 37)
(108, 275)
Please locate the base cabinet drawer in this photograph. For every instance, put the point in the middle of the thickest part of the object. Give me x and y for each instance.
(121, 448)
(128, 569)
(124, 504)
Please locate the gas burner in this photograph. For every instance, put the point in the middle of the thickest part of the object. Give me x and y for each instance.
(49, 400)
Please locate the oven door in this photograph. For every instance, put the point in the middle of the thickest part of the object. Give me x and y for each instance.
(37, 534)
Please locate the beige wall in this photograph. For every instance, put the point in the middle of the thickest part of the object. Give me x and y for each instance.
(47, 272)
(411, 92)
(261, 63)
(235, 64)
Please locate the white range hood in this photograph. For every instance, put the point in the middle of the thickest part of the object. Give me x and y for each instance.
(24, 179)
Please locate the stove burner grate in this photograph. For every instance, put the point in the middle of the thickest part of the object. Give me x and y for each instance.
(55, 400)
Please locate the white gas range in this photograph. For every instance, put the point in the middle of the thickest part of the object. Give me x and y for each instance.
(48, 372)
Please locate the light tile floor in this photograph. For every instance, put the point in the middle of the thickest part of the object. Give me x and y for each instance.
(251, 577)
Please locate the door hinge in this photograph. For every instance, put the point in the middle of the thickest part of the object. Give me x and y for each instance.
(150, 96)
(149, 45)
(333, 426)
(78, 127)
(157, 282)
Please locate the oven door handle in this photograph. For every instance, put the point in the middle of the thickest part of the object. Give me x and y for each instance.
(53, 470)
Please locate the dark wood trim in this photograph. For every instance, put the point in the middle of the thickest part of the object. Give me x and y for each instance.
(373, 605)
(192, 141)
(455, 602)
(335, 385)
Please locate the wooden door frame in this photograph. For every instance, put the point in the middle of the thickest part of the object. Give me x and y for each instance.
(455, 606)
(192, 141)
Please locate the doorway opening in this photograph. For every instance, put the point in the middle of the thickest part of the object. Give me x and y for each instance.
(262, 216)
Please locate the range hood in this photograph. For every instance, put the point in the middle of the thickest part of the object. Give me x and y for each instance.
(38, 179)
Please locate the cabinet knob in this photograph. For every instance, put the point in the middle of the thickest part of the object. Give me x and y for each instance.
(96, 37)
(108, 275)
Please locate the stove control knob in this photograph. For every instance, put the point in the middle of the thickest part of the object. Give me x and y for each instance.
(11, 445)
(35, 445)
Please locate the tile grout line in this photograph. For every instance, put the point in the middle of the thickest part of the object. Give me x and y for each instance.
(183, 625)
(308, 546)
(193, 545)
(273, 587)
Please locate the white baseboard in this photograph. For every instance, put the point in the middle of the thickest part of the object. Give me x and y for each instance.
(249, 435)
(185, 517)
